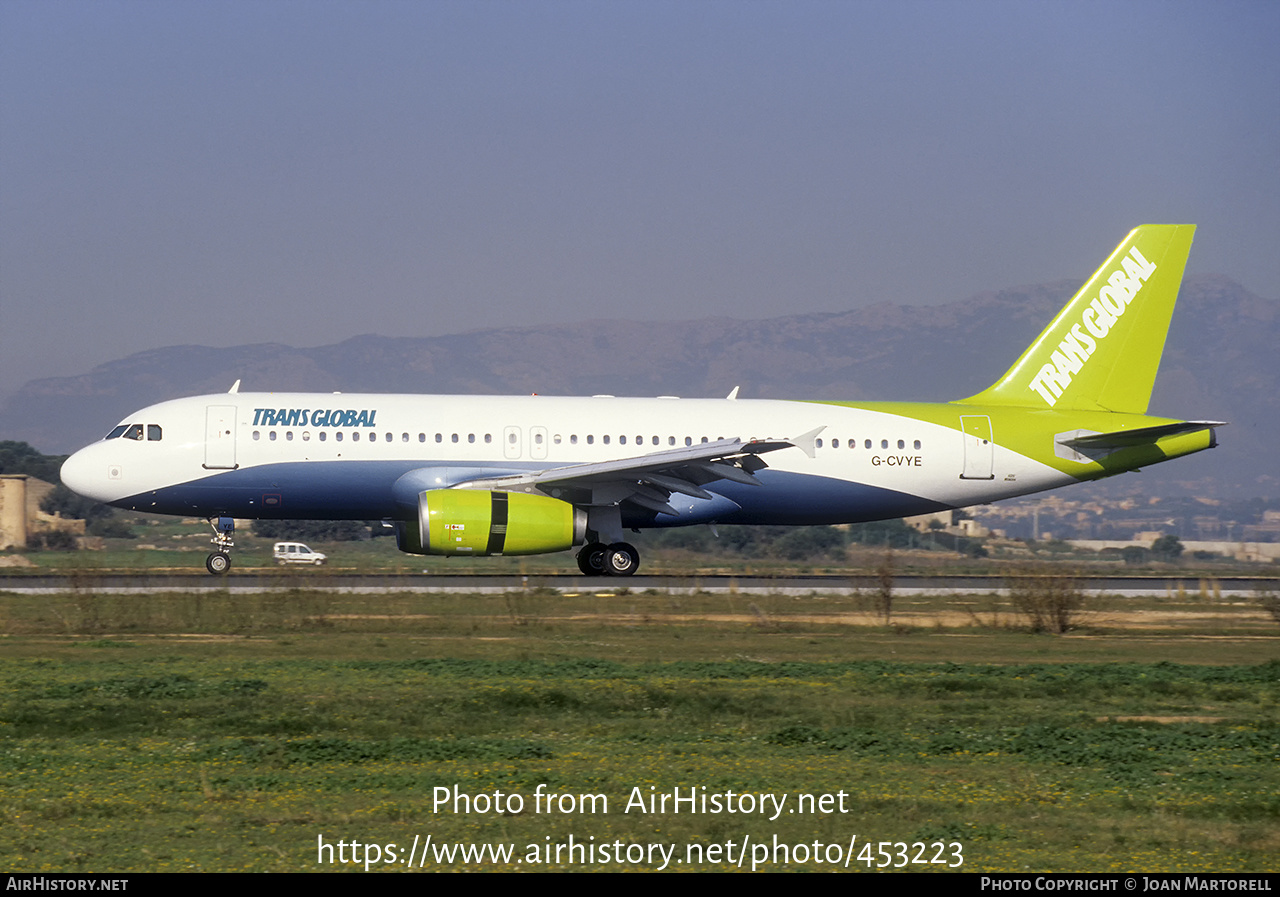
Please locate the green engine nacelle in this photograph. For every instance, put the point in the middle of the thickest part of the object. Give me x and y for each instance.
(480, 524)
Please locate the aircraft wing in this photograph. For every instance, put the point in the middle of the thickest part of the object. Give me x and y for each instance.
(649, 480)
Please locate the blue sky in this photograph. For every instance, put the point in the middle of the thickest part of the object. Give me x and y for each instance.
(300, 172)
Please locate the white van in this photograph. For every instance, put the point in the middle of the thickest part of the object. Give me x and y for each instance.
(296, 553)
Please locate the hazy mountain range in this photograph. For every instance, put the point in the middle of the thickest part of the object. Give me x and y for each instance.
(1222, 362)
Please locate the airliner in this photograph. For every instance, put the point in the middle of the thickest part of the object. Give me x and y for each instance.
(480, 476)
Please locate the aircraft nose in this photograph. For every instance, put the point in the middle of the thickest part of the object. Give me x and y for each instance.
(83, 476)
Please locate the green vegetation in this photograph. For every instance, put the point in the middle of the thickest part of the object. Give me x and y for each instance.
(316, 530)
(791, 543)
(226, 731)
(19, 457)
(1167, 548)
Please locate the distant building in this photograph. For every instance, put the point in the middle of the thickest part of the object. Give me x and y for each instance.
(946, 522)
(1266, 531)
(1241, 551)
(20, 516)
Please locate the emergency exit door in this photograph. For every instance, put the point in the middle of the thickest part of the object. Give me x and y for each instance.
(979, 450)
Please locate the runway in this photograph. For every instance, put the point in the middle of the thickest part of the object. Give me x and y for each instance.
(357, 583)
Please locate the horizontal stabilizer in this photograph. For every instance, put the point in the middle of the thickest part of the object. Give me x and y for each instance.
(1085, 445)
(1141, 436)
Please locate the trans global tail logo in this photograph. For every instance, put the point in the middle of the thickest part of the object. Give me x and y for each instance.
(1096, 321)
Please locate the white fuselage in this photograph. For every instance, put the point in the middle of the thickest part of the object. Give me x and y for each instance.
(340, 455)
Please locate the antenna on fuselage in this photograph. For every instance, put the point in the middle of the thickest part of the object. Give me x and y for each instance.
(235, 388)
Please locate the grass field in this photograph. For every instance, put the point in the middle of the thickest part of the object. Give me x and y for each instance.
(225, 732)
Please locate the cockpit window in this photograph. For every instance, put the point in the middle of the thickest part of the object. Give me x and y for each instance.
(153, 433)
(134, 432)
(116, 433)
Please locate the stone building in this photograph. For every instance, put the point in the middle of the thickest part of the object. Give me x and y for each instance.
(20, 516)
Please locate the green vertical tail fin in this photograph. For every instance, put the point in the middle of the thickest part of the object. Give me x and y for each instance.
(1102, 351)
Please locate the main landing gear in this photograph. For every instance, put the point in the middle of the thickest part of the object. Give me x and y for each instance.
(219, 561)
(618, 559)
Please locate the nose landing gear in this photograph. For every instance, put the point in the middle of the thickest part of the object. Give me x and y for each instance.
(219, 561)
